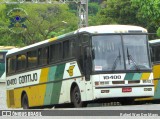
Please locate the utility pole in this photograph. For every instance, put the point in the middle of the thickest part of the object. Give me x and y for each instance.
(82, 7)
(83, 13)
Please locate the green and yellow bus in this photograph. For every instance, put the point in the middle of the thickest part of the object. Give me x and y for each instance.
(3, 51)
(96, 63)
(155, 56)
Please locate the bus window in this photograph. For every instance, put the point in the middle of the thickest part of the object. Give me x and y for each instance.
(32, 58)
(11, 64)
(43, 56)
(1, 58)
(72, 48)
(55, 52)
(21, 62)
(156, 53)
(66, 49)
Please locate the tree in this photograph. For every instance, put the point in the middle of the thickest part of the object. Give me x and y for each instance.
(149, 10)
(6, 36)
(118, 12)
(47, 18)
(42, 21)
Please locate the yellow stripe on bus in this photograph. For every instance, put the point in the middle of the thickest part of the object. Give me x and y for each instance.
(42, 88)
(52, 39)
(156, 70)
(143, 99)
(145, 76)
(17, 97)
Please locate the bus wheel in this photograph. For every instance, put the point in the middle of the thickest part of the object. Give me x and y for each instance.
(25, 104)
(76, 98)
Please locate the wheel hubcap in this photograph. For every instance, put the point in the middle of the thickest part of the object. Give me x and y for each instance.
(77, 97)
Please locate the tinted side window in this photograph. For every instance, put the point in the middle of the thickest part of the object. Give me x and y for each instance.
(55, 52)
(69, 49)
(2, 57)
(72, 48)
(21, 62)
(32, 58)
(156, 53)
(66, 49)
(11, 64)
(43, 56)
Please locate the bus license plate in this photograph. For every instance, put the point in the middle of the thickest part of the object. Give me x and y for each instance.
(126, 90)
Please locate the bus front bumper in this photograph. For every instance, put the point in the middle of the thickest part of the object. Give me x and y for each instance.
(123, 91)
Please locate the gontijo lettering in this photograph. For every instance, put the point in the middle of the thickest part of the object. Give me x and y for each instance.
(23, 79)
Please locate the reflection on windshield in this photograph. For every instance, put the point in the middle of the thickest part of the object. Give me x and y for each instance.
(108, 50)
(109, 55)
(137, 47)
(130, 58)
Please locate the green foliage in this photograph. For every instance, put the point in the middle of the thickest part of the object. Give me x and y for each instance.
(48, 20)
(42, 21)
(149, 11)
(149, 8)
(120, 12)
(158, 32)
(145, 13)
(93, 8)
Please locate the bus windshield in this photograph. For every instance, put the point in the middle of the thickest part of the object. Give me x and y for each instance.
(120, 52)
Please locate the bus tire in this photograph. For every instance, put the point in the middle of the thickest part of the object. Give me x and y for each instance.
(76, 98)
(25, 104)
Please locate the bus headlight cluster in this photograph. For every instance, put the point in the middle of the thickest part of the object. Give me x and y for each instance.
(97, 83)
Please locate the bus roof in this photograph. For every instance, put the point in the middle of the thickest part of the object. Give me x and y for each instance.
(112, 29)
(6, 48)
(26, 47)
(154, 41)
(92, 30)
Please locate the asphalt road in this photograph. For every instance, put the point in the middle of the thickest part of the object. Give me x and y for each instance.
(3, 105)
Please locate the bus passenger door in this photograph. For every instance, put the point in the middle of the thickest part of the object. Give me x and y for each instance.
(87, 67)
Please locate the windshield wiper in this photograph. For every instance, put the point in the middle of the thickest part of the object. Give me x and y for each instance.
(131, 58)
(115, 62)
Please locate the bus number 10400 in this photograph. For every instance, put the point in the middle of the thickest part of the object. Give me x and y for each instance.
(113, 77)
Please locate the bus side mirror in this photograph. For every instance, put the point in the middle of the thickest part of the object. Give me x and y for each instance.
(87, 63)
(88, 53)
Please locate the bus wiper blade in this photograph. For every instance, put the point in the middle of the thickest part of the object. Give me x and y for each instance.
(131, 58)
(115, 62)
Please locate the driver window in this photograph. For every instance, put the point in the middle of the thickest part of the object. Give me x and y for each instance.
(107, 49)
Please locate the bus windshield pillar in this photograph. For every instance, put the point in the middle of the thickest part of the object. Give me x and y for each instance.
(87, 63)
